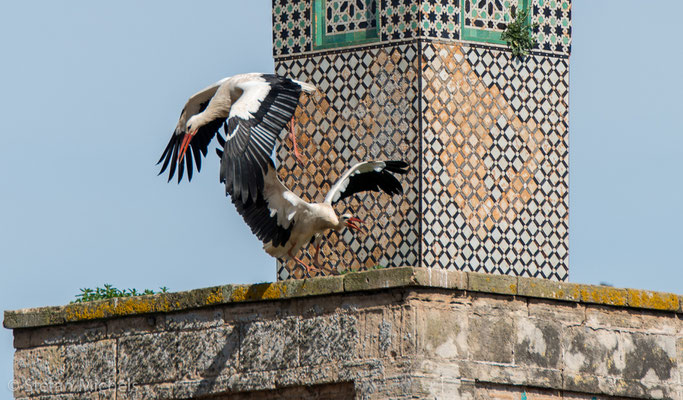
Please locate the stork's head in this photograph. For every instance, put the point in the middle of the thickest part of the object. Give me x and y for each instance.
(350, 221)
(192, 125)
(190, 131)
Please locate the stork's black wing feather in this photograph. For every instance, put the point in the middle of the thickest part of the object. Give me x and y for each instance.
(376, 181)
(257, 216)
(197, 149)
(250, 141)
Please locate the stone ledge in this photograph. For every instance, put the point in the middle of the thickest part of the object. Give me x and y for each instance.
(352, 282)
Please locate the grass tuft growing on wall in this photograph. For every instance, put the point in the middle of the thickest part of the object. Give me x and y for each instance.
(110, 292)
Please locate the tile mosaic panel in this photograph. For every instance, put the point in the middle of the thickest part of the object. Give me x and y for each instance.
(339, 23)
(495, 161)
(398, 19)
(366, 108)
(554, 18)
(440, 19)
(291, 27)
(485, 20)
(297, 30)
(350, 15)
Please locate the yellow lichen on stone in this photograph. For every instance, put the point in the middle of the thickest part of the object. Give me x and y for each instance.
(654, 300)
(116, 307)
(216, 296)
(603, 295)
(239, 293)
(274, 291)
(264, 291)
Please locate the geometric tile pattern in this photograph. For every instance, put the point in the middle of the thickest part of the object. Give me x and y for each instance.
(485, 20)
(376, 21)
(495, 161)
(350, 15)
(291, 27)
(398, 19)
(440, 19)
(339, 23)
(486, 135)
(554, 30)
(488, 14)
(366, 108)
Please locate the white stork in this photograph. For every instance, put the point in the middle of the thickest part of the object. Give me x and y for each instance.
(253, 109)
(285, 223)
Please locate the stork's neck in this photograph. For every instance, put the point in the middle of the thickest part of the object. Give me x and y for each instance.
(327, 217)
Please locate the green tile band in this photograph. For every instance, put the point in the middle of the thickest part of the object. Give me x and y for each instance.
(483, 34)
(321, 40)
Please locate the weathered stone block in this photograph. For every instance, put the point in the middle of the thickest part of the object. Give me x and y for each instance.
(160, 357)
(196, 298)
(548, 289)
(263, 291)
(499, 284)
(379, 279)
(594, 351)
(437, 277)
(567, 313)
(22, 338)
(380, 333)
(488, 338)
(650, 359)
(437, 380)
(27, 318)
(443, 332)
(63, 334)
(653, 300)
(477, 371)
(267, 345)
(538, 343)
(200, 319)
(498, 305)
(145, 392)
(604, 295)
(409, 325)
(631, 320)
(330, 339)
(135, 325)
(62, 369)
(319, 286)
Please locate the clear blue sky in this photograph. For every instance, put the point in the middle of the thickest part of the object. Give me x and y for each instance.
(90, 93)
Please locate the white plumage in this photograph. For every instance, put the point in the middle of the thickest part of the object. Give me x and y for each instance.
(285, 223)
(252, 109)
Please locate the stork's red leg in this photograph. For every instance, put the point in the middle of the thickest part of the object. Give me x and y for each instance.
(316, 262)
(307, 267)
(294, 145)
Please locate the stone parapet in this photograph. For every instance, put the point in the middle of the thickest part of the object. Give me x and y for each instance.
(352, 282)
(395, 333)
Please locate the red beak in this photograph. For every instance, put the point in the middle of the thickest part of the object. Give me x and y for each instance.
(350, 223)
(185, 144)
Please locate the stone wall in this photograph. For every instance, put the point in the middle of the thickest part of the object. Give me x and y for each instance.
(399, 333)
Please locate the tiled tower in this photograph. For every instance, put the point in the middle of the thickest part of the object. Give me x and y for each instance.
(431, 82)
